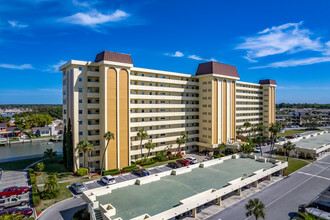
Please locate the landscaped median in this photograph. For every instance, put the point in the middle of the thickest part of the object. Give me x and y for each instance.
(294, 164)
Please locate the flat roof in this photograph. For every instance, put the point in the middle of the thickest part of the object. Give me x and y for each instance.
(314, 142)
(159, 196)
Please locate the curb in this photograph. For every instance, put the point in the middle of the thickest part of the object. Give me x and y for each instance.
(53, 205)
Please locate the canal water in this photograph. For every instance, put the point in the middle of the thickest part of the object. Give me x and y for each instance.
(27, 150)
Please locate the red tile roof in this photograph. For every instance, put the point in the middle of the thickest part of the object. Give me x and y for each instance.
(217, 68)
(267, 81)
(112, 56)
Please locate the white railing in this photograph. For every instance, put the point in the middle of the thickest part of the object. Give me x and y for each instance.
(91, 211)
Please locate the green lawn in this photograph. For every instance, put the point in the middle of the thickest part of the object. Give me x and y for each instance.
(18, 164)
(291, 132)
(158, 164)
(44, 137)
(294, 164)
(52, 166)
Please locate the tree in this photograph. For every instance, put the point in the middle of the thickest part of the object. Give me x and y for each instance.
(288, 146)
(274, 129)
(239, 131)
(311, 122)
(108, 137)
(84, 146)
(161, 156)
(142, 134)
(50, 154)
(255, 207)
(247, 148)
(69, 148)
(64, 149)
(247, 125)
(259, 140)
(51, 183)
(222, 147)
(39, 167)
(181, 140)
(288, 121)
(150, 146)
(304, 216)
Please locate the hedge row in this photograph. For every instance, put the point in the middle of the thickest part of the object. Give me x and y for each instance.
(117, 171)
(111, 172)
(35, 193)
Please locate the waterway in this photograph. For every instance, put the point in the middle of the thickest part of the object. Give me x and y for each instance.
(27, 150)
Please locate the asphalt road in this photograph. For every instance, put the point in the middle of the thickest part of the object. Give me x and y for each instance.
(283, 198)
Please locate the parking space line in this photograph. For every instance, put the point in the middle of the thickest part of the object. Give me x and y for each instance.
(313, 175)
(322, 162)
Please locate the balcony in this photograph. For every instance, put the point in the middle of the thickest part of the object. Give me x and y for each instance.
(93, 84)
(93, 95)
(93, 127)
(92, 73)
(93, 105)
(93, 116)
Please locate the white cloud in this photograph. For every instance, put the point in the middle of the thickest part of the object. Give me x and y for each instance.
(178, 54)
(94, 17)
(195, 57)
(80, 4)
(295, 62)
(54, 68)
(286, 38)
(17, 67)
(15, 24)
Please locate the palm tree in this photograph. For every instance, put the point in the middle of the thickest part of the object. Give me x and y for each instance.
(259, 140)
(274, 129)
(84, 146)
(288, 146)
(108, 136)
(304, 216)
(222, 147)
(51, 182)
(142, 134)
(50, 154)
(150, 146)
(247, 125)
(255, 207)
(181, 140)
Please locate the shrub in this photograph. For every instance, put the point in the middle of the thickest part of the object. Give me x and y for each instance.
(31, 170)
(39, 167)
(160, 156)
(33, 178)
(222, 155)
(111, 172)
(176, 158)
(216, 156)
(148, 162)
(34, 188)
(49, 194)
(35, 199)
(81, 215)
(129, 169)
(82, 172)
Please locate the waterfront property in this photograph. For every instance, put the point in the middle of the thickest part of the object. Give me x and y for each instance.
(309, 145)
(172, 193)
(110, 94)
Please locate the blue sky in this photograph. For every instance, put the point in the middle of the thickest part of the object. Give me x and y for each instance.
(288, 41)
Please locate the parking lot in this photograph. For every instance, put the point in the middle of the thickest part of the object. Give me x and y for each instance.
(15, 178)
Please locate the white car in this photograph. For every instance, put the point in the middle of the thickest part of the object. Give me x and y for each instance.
(257, 149)
(192, 160)
(108, 180)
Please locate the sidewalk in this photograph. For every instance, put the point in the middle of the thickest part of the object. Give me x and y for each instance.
(69, 180)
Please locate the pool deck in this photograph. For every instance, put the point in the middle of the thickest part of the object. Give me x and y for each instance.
(158, 195)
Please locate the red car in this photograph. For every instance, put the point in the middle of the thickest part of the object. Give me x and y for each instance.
(27, 212)
(14, 190)
(290, 137)
(184, 162)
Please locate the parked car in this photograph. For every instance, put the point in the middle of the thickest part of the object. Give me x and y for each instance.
(281, 139)
(141, 172)
(108, 180)
(13, 201)
(14, 190)
(175, 164)
(78, 187)
(290, 137)
(257, 149)
(184, 162)
(27, 212)
(192, 160)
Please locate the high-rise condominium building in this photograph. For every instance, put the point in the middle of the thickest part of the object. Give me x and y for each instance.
(110, 94)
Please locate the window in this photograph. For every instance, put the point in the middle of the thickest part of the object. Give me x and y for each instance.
(80, 112)
(80, 122)
(80, 79)
(80, 89)
(64, 111)
(80, 100)
(81, 154)
(80, 68)
(80, 133)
